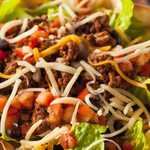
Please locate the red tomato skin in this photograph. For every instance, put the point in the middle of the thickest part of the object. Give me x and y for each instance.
(145, 70)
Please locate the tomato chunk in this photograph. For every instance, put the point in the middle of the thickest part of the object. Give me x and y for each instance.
(3, 100)
(44, 98)
(83, 93)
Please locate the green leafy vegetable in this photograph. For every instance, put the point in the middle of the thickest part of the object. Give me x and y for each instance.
(52, 13)
(19, 13)
(7, 7)
(86, 134)
(142, 94)
(123, 20)
(138, 138)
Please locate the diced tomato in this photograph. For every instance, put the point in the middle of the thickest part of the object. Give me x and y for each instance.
(55, 23)
(110, 146)
(16, 104)
(85, 113)
(12, 111)
(68, 141)
(44, 98)
(127, 146)
(145, 70)
(24, 128)
(19, 53)
(11, 119)
(26, 99)
(3, 100)
(68, 113)
(102, 120)
(83, 93)
(126, 66)
(3, 55)
(55, 114)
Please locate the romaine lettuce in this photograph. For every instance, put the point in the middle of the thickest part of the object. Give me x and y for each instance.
(86, 134)
(138, 138)
(7, 7)
(123, 20)
(142, 94)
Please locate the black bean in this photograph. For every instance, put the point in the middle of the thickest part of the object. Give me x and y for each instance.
(57, 147)
(1, 67)
(116, 36)
(4, 45)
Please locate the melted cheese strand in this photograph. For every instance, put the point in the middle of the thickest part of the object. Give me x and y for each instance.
(6, 107)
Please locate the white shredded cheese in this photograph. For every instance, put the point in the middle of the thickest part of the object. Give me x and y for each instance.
(74, 115)
(58, 67)
(66, 100)
(23, 35)
(6, 107)
(69, 10)
(72, 81)
(32, 129)
(13, 78)
(87, 100)
(88, 19)
(27, 65)
(50, 76)
(61, 15)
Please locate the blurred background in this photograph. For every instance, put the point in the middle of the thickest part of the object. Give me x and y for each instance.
(143, 1)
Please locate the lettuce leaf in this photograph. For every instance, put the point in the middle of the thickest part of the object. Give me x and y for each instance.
(123, 20)
(7, 7)
(141, 93)
(138, 138)
(52, 13)
(86, 134)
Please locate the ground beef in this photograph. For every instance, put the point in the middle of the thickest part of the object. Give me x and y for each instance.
(39, 112)
(69, 51)
(98, 32)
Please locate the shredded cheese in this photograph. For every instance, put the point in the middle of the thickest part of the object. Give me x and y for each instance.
(72, 81)
(53, 49)
(5, 76)
(51, 77)
(13, 78)
(58, 67)
(114, 64)
(32, 129)
(66, 100)
(36, 54)
(74, 115)
(6, 107)
(27, 65)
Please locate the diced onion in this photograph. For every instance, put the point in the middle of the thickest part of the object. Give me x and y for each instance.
(66, 100)
(13, 78)
(87, 100)
(32, 129)
(50, 76)
(74, 115)
(72, 81)
(7, 105)
(58, 67)
(88, 19)
(27, 65)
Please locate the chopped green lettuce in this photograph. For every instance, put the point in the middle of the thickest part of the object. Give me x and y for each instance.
(141, 93)
(123, 20)
(86, 134)
(7, 7)
(138, 138)
(52, 13)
